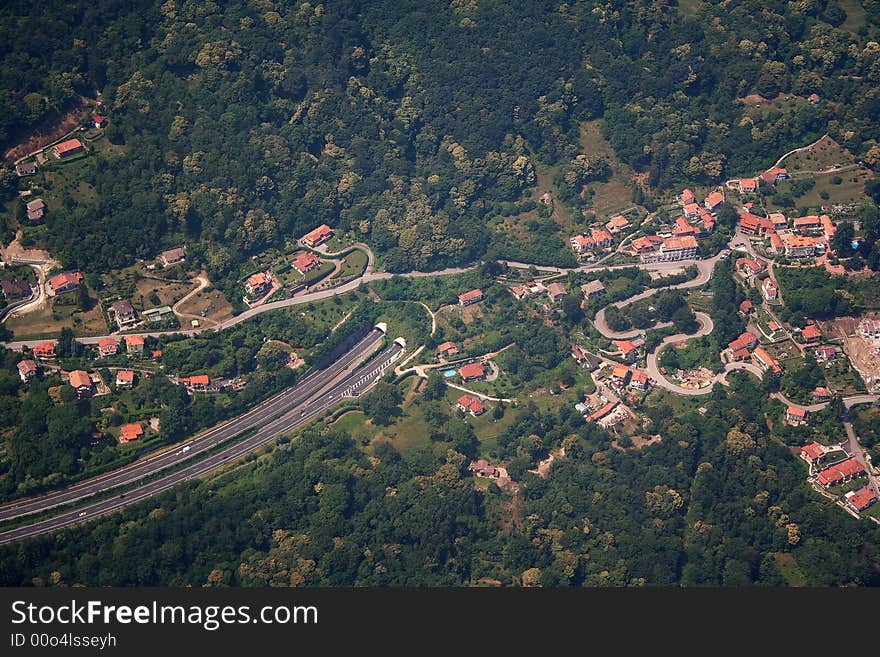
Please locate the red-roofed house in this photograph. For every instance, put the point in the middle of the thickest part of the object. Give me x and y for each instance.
(748, 266)
(765, 361)
(826, 353)
(639, 380)
(447, 349)
(99, 120)
(318, 236)
(811, 334)
(745, 307)
(748, 185)
(258, 284)
(27, 370)
(692, 210)
(472, 372)
(134, 344)
(740, 355)
(646, 244)
(129, 432)
(620, 375)
(778, 220)
(602, 412)
(468, 298)
(197, 382)
(67, 148)
(811, 222)
(769, 289)
(774, 175)
(124, 378)
(64, 282)
(861, 500)
(828, 226)
(581, 243)
(821, 394)
(45, 350)
(682, 228)
(796, 415)
(107, 347)
(627, 349)
(714, 200)
(602, 238)
(482, 468)
(617, 223)
(157, 354)
(673, 249)
(840, 472)
(469, 404)
(746, 340)
(812, 452)
(305, 262)
(81, 382)
(556, 291)
(687, 196)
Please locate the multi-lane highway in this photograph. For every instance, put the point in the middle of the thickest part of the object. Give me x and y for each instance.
(352, 383)
(256, 417)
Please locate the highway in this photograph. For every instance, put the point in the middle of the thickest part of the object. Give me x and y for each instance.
(353, 384)
(258, 416)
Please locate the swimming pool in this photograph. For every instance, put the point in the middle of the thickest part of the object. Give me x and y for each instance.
(449, 373)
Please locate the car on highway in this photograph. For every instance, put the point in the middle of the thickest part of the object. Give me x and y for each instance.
(81, 514)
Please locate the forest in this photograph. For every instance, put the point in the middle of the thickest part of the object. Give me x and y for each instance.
(408, 123)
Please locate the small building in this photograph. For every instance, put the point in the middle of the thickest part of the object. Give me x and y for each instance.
(123, 313)
(691, 210)
(258, 284)
(593, 289)
(44, 350)
(740, 355)
(471, 297)
(746, 340)
(811, 334)
(770, 289)
(134, 344)
(869, 328)
(26, 168)
(107, 347)
(860, 500)
(748, 186)
(796, 415)
(472, 372)
(646, 244)
(602, 238)
(814, 98)
(317, 236)
(683, 229)
(813, 452)
(750, 266)
(64, 282)
(470, 404)
(745, 307)
(527, 290)
(774, 175)
(620, 375)
(618, 223)
(714, 201)
(826, 353)
(81, 382)
(482, 468)
(808, 223)
(840, 472)
(765, 361)
(68, 148)
(27, 370)
(582, 243)
(687, 197)
(778, 220)
(35, 210)
(124, 378)
(14, 289)
(99, 121)
(156, 354)
(197, 382)
(602, 412)
(130, 432)
(556, 291)
(447, 349)
(628, 350)
(305, 262)
(639, 380)
(821, 394)
(173, 256)
(155, 315)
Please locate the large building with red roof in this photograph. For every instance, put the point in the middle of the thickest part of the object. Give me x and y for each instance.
(840, 472)
(472, 372)
(68, 148)
(317, 236)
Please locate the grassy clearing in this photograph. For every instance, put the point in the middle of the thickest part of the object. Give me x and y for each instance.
(789, 569)
(48, 321)
(823, 155)
(616, 194)
(353, 264)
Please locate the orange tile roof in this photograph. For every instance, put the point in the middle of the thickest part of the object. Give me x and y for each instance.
(320, 233)
(134, 340)
(814, 451)
(125, 376)
(80, 379)
(811, 332)
(620, 372)
(602, 412)
(472, 371)
(862, 499)
(714, 199)
(129, 432)
(676, 243)
(67, 146)
(472, 295)
(797, 411)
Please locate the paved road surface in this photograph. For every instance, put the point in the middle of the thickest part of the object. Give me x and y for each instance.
(354, 384)
(258, 416)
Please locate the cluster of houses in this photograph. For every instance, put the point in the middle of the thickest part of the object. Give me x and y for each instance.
(45, 351)
(806, 237)
(747, 347)
(838, 473)
(869, 329)
(599, 238)
(61, 150)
